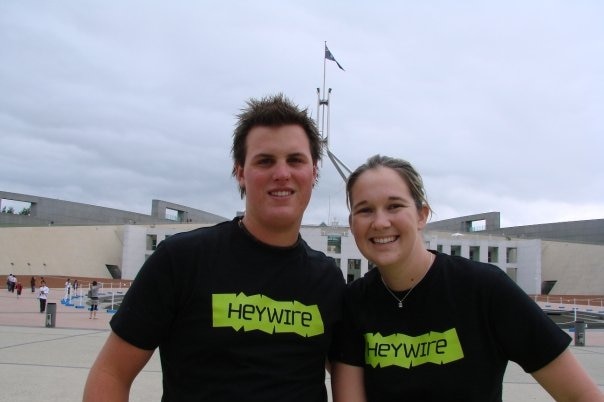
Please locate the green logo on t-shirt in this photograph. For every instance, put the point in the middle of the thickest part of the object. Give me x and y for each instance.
(410, 351)
(265, 314)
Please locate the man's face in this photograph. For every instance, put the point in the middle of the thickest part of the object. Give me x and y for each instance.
(278, 176)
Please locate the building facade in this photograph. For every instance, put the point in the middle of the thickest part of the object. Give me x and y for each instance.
(119, 250)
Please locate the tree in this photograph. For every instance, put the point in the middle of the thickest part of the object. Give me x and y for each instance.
(9, 210)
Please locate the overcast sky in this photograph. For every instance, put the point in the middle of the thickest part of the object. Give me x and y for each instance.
(498, 104)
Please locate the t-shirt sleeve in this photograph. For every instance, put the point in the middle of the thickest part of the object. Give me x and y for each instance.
(524, 332)
(147, 310)
(349, 342)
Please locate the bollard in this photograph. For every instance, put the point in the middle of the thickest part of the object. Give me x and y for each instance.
(51, 315)
(580, 333)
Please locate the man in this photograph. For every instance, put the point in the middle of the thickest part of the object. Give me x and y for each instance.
(243, 310)
(43, 296)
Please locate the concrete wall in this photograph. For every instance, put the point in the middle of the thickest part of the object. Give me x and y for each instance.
(60, 251)
(461, 224)
(577, 268)
(50, 211)
(587, 231)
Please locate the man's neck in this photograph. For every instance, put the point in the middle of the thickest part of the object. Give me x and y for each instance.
(271, 235)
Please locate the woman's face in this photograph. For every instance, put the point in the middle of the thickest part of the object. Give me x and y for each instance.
(384, 219)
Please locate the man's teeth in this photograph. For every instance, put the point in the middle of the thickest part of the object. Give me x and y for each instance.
(281, 193)
(384, 240)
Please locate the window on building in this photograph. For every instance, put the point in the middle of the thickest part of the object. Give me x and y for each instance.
(114, 271)
(455, 250)
(354, 270)
(476, 226)
(512, 273)
(15, 207)
(547, 286)
(439, 248)
(151, 242)
(475, 253)
(338, 262)
(493, 254)
(511, 255)
(334, 244)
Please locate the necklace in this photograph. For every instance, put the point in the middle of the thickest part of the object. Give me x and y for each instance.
(400, 301)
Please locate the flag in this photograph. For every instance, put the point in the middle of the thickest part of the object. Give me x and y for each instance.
(329, 56)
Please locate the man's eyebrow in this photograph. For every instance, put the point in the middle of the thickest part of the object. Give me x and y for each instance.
(298, 154)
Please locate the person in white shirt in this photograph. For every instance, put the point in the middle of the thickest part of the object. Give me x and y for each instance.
(67, 290)
(43, 296)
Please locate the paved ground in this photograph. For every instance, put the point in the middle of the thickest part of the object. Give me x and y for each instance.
(51, 364)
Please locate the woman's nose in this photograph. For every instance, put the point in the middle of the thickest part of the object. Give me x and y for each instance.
(381, 220)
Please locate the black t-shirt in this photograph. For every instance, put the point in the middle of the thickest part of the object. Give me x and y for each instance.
(453, 337)
(234, 319)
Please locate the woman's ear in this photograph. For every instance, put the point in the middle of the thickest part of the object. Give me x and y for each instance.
(423, 214)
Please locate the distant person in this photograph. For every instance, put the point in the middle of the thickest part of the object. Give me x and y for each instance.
(43, 293)
(12, 281)
(75, 287)
(67, 296)
(426, 326)
(19, 288)
(32, 282)
(243, 310)
(93, 294)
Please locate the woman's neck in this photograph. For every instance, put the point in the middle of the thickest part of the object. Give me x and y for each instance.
(405, 277)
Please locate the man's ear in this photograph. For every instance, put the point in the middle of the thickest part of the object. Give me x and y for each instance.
(239, 175)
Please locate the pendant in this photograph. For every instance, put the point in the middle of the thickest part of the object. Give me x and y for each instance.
(400, 304)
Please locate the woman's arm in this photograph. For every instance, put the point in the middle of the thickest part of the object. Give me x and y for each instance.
(114, 370)
(347, 383)
(565, 380)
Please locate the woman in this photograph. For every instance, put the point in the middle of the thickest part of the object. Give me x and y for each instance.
(425, 326)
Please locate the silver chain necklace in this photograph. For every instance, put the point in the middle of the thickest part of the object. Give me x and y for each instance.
(400, 301)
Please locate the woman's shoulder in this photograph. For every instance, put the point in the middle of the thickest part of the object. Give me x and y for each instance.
(457, 268)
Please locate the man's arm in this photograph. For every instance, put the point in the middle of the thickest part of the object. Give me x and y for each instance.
(565, 380)
(114, 370)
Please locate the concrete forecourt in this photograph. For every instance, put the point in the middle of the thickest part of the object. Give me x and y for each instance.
(54, 361)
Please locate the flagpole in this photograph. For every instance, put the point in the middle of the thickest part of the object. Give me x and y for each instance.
(324, 63)
(325, 134)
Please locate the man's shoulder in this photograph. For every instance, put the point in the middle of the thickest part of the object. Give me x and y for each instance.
(201, 234)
